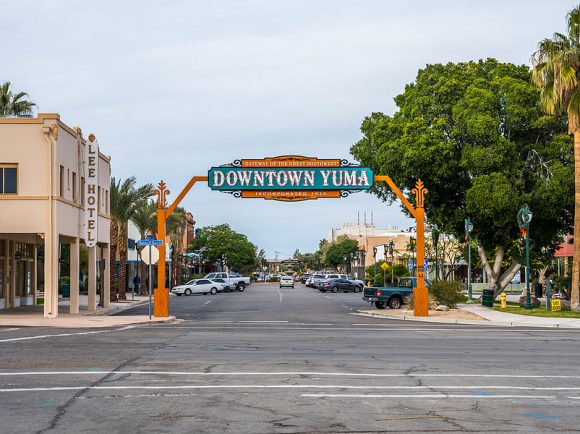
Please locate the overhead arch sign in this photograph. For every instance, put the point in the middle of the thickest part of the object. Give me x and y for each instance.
(290, 178)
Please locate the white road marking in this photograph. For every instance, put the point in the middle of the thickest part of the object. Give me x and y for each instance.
(261, 322)
(298, 373)
(429, 396)
(10, 329)
(207, 302)
(26, 338)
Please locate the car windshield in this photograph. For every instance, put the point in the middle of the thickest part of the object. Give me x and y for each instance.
(191, 282)
(318, 276)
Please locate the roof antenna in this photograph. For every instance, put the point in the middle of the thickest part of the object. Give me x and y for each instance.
(372, 220)
(365, 218)
(358, 218)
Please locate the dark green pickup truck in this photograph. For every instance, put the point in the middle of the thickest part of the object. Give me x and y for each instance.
(391, 296)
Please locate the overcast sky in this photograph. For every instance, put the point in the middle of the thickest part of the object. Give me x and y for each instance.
(171, 88)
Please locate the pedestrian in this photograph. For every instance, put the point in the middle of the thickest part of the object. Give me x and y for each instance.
(136, 283)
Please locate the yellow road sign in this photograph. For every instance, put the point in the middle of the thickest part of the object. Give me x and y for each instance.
(556, 305)
(384, 266)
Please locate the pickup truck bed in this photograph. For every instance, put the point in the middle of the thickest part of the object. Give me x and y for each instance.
(391, 296)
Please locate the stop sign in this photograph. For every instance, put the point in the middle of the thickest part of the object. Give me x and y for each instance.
(154, 255)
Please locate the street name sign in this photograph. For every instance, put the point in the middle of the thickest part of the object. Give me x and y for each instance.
(290, 178)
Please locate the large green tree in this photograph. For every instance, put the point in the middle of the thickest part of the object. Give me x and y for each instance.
(226, 247)
(557, 74)
(475, 134)
(341, 252)
(14, 104)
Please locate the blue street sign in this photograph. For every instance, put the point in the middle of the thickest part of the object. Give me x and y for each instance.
(426, 264)
(150, 241)
(411, 265)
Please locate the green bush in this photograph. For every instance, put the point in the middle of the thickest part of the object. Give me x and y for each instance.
(447, 292)
(432, 301)
(273, 279)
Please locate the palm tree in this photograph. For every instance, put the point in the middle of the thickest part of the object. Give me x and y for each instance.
(145, 219)
(14, 105)
(556, 72)
(175, 227)
(125, 199)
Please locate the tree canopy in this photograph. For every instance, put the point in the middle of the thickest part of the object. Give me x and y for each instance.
(14, 104)
(226, 247)
(475, 134)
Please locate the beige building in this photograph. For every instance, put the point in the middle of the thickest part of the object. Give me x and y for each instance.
(43, 177)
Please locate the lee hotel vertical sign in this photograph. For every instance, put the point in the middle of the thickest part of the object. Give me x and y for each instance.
(92, 202)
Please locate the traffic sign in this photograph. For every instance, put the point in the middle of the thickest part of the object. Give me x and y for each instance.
(384, 266)
(426, 264)
(150, 241)
(150, 259)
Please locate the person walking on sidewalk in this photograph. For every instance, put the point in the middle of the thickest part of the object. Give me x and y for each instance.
(136, 283)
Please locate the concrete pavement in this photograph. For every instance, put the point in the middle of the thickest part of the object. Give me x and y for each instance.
(32, 316)
(272, 360)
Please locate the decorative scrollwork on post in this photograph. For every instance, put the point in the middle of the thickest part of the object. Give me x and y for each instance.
(161, 193)
(420, 192)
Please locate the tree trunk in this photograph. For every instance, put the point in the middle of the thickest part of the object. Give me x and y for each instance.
(497, 280)
(114, 234)
(142, 272)
(575, 292)
(123, 240)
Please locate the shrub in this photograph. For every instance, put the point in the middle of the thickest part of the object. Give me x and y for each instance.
(446, 292)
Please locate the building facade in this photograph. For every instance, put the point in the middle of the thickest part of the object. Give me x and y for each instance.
(43, 196)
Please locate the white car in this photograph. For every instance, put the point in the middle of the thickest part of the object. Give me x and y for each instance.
(199, 286)
(287, 281)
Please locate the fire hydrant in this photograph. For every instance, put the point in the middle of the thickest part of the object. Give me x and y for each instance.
(503, 297)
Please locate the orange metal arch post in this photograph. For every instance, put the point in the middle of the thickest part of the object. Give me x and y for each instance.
(420, 293)
(161, 293)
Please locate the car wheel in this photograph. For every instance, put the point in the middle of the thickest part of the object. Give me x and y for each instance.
(334, 289)
(188, 291)
(213, 291)
(395, 303)
(357, 288)
(380, 304)
(241, 286)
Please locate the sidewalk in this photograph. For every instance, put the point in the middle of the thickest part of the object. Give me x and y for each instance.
(33, 316)
(488, 317)
(511, 319)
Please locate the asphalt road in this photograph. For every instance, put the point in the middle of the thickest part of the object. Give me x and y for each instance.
(288, 361)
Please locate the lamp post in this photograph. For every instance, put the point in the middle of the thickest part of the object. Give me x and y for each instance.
(524, 219)
(412, 247)
(392, 253)
(468, 229)
(375, 264)
(435, 239)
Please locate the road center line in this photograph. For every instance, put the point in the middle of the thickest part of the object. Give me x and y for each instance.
(428, 396)
(287, 374)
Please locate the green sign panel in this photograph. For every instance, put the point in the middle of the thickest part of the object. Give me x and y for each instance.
(289, 179)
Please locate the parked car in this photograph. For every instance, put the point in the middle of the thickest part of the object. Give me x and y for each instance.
(315, 279)
(287, 281)
(338, 284)
(227, 286)
(233, 280)
(198, 286)
(391, 296)
(305, 277)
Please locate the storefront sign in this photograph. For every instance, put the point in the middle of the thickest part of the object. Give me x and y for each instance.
(290, 178)
(91, 188)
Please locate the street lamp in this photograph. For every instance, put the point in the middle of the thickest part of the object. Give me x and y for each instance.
(435, 239)
(412, 247)
(524, 219)
(375, 267)
(391, 246)
(468, 229)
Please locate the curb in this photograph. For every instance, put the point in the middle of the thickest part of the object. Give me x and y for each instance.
(117, 309)
(483, 323)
